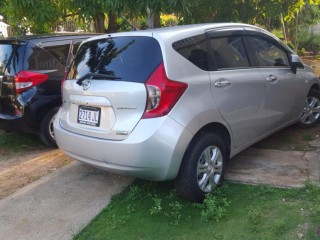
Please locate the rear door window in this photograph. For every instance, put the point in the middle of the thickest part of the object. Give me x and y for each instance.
(228, 52)
(60, 52)
(131, 59)
(40, 59)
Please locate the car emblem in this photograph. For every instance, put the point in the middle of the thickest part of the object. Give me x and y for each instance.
(86, 85)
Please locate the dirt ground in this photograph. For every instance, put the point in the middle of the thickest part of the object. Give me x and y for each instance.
(21, 168)
(313, 62)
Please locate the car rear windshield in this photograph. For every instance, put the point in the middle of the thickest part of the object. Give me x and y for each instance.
(10, 57)
(130, 59)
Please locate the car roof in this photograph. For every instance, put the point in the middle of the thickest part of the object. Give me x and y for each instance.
(179, 31)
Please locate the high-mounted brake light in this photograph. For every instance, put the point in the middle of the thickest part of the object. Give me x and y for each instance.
(26, 79)
(163, 93)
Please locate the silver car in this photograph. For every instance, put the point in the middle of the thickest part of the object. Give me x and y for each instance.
(176, 103)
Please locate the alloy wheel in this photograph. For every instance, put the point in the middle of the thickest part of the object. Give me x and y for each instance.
(311, 111)
(209, 169)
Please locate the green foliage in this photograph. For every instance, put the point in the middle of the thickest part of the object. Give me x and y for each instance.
(302, 51)
(290, 44)
(40, 16)
(310, 41)
(168, 20)
(214, 207)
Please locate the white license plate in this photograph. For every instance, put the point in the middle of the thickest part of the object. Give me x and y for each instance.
(89, 115)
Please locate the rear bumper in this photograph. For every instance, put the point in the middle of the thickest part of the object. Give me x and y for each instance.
(153, 151)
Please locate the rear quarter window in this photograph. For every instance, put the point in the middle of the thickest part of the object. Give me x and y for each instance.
(132, 59)
(194, 49)
(11, 58)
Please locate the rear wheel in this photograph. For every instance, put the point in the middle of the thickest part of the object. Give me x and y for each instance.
(46, 128)
(203, 167)
(310, 116)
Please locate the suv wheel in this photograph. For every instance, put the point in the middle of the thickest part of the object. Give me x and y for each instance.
(310, 116)
(46, 128)
(202, 168)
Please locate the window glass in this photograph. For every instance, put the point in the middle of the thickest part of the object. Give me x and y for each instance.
(267, 54)
(194, 49)
(75, 48)
(60, 52)
(39, 59)
(10, 56)
(131, 59)
(228, 52)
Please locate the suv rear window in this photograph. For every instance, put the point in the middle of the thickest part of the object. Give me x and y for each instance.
(10, 56)
(130, 59)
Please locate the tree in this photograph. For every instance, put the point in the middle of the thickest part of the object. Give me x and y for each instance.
(38, 15)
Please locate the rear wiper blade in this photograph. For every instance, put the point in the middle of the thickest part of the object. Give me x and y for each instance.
(96, 76)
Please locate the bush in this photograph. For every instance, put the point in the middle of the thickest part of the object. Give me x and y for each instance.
(302, 51)
(290, 44)
(310, 42)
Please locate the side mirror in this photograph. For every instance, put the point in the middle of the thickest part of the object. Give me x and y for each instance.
(295, 63)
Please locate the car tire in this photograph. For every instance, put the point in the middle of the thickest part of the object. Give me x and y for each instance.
(310, 116)
(202, 168)
(46, 128)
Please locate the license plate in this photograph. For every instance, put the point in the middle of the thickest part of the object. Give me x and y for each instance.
(89, 115)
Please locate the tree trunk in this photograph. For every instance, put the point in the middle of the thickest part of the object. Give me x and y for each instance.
(283, 28)
(153, 20)
(150, 20)
(156, 19)
(99, 23)
(112, 23)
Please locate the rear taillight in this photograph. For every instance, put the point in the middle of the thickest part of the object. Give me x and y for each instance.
(163, 93)
(24, 80)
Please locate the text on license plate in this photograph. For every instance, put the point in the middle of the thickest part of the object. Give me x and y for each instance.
(89, 115)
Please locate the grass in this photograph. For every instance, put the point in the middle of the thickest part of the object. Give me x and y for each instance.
(13, 142)
(149, 210)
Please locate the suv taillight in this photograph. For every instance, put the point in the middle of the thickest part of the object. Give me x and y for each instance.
(24, 80)
(163, 93)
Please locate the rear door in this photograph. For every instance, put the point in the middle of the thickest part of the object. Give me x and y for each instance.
(237, 88)
(104, 95)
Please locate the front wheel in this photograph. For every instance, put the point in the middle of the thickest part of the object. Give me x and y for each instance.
(310, 115)
(202, 168)
(46, 128)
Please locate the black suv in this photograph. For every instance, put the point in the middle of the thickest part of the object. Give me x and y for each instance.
(31, 70)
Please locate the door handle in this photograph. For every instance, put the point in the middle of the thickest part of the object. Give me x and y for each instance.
(222, 83)
(272, 78)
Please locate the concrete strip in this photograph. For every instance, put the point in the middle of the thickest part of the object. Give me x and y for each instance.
(269, 167)
(58, 205)
(313, 159)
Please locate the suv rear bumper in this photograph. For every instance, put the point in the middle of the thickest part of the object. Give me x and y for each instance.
(153, 151)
